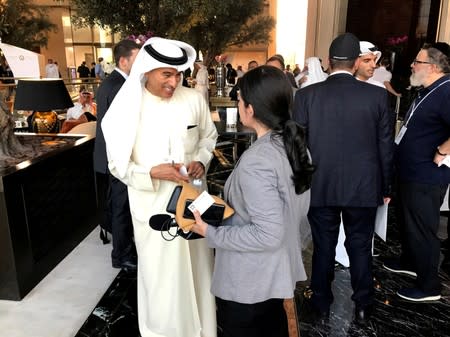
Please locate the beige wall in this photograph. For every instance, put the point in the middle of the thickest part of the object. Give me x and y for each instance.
(243, 56)
(55, 48)
(326, 20)
(443, 33)
(69, 46)
(272, 47)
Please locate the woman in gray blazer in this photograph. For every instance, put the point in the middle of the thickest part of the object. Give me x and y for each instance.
(258, 250)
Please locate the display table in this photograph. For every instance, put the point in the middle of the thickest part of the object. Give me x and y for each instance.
(221, 102)
(231, 142)
(47, 206)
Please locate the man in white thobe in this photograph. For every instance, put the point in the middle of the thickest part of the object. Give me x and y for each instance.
(167, 126)
(202, 80)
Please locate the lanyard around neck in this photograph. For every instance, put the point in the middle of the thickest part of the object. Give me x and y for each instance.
(414, 106)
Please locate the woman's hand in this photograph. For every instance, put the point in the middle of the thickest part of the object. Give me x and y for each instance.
(168, 172)
(200, 226)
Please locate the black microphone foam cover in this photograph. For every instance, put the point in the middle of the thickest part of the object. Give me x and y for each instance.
(161, 222)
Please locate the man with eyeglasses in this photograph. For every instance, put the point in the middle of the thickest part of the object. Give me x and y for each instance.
(422, 145)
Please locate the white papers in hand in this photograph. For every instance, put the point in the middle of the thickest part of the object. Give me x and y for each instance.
(381, 221)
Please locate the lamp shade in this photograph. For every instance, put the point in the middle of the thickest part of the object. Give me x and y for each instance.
(42, 95)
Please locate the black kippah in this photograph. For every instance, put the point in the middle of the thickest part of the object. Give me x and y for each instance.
(443, 47)
(174, 61)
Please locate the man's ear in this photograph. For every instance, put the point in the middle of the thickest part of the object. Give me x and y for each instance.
(356, 65)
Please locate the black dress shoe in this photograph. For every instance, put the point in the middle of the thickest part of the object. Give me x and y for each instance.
(362, 314)
(310, 313)
(127, 266)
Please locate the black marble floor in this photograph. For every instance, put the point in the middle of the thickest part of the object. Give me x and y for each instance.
(392, 316)
(116, 313)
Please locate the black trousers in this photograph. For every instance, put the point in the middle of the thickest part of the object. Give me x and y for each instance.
(117, 217)
(359, 223)
(263, 319)
(420, 207)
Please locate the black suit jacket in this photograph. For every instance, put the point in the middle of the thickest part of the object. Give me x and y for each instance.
(350, 135)
(106, 92)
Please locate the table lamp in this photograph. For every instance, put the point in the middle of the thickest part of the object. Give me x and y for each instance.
(42, 96)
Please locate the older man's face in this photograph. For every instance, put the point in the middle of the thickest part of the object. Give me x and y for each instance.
(162, 82)
(421, 69)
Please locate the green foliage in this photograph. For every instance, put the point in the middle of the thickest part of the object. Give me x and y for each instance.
(24, 24)
(209, 25)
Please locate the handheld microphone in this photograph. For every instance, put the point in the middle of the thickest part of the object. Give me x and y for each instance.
(162, 222)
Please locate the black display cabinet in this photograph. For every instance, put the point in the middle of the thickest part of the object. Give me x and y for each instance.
(48, 205)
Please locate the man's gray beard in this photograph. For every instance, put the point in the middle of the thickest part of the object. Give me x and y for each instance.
(414, 80)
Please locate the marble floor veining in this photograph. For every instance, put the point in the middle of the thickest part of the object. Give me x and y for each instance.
(392, 316)
(116, 313)
(85, 297)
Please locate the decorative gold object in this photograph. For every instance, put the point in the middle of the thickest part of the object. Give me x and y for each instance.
(42, 96)
(45, 122)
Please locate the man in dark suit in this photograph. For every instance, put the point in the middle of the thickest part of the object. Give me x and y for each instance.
(117, 215)
(83, 71)
(350, 136)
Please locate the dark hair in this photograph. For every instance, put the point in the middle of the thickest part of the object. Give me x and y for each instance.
(270, 95)
(124, 49)
(341, 64)
(277, 57)
(437, 57)
(252, 61)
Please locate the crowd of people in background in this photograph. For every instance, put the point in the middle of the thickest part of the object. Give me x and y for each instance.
(312, 72)
(98, 70)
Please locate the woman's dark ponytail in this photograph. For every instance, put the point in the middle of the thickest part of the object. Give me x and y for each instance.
(294, 139)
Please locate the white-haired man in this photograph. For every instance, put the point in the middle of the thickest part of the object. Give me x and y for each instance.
(167, 125)
(422, 145)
